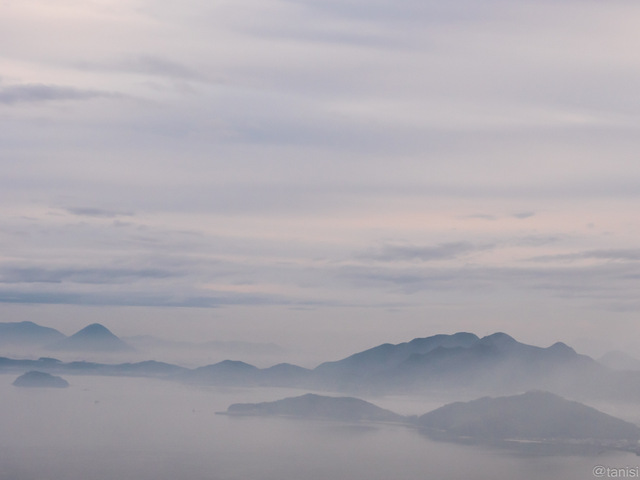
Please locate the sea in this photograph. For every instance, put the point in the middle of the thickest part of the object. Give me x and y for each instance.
(118, 428)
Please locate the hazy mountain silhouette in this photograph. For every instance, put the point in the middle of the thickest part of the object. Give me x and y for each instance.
(92, 338)
(533, 415)
(149, 368)
(455, 366)
(285, 375)
(621, 361)
(363, 367)
(227, 372)
(495, 363)
(43, 363)
(318, 406)
(40, 380)
(459, 364)
(27, 333)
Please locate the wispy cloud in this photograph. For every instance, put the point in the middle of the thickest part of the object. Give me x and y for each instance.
(103, 275)
(481, 216)
(98, 212)
(424, 253)
(322, 153)
(523, 215)
(36, 93)
(603, 285)
(625, 255)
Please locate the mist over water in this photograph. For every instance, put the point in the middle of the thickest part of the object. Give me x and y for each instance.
(107, 428)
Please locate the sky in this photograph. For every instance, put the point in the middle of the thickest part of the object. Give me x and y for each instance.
(326, 175)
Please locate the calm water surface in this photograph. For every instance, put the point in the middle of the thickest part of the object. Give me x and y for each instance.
(104, 428)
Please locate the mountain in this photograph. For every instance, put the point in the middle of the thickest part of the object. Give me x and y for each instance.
(458, 364)
(227, 372)
(620, 361)
(493, 363)
(318, 406)
(285, 375)
(235, 373)
(92, 338)
(363, 367)
(148, 368)
(41, 380)
(43, 363)
(535, 421)
(27, 333)
(530, 416)
(445, 363)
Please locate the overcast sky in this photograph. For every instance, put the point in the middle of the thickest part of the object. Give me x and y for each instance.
(305, 172)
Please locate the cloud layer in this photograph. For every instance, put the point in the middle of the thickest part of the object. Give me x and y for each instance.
(320, 154)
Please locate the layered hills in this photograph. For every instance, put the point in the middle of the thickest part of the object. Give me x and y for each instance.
(460, 365)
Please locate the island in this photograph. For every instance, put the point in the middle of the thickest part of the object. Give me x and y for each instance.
(535, 421)
(532, 417)
(41, 380)
(318, 407)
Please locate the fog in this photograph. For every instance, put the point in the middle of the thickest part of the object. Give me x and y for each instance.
(187, 354)
(150, 408)
(104, 428)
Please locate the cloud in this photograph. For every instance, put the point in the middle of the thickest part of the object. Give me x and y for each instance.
(148, 299)
(152, 65)
(443, 251)
(481, 216)
(386, 11)
(292, 144)
(604, 285)
(625, 255)
(36, 93)
(97, 212)
(103, 275)
(523, 215)
(534, 240)
(159, 66)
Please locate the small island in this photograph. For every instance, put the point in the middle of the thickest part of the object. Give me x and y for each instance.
(318, 407)
(40, 380)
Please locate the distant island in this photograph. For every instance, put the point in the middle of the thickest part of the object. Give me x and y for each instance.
(318, 406)
(40, 380)
(534, 417)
